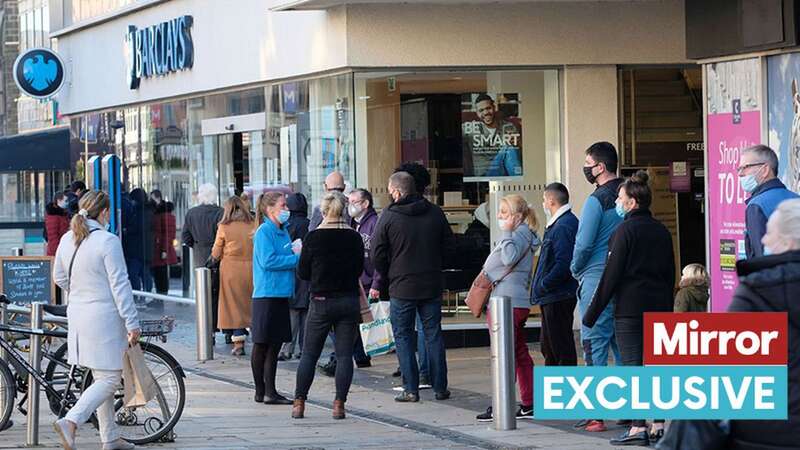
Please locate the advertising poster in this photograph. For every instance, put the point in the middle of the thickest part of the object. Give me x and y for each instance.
(734, 123)
(492, 135)
(783, 75)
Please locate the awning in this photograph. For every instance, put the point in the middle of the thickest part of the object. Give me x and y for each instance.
(41, 150)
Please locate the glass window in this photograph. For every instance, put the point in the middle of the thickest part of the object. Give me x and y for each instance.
(37, 28)
(24, 194)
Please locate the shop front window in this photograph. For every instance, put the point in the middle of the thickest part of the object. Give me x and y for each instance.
(24, 194)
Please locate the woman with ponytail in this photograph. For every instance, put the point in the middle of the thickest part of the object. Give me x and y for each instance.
(510, 267)
(640, 276)
(90, 267)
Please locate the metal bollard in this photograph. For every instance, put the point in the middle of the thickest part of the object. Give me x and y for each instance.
(3, 335)
(186, 270)
(205, 329)
(17, 251)
(501, 332)
(35, 360)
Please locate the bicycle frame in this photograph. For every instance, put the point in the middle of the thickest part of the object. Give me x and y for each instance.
(16, 358)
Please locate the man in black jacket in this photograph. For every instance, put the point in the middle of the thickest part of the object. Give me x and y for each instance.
(554, 288)
(772, 284)
(411, 240)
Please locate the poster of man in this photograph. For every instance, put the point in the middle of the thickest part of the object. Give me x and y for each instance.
(492, 135)
(783, 72)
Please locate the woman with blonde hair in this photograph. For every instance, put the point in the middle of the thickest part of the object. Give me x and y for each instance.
(693, 293)
(90, 267)
(233, 249)
(510, 267)
(332, 260)
(274, 261)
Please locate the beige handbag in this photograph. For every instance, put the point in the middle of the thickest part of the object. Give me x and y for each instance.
(139, 384)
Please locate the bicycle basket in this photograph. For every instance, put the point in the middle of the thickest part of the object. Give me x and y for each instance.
(157, 327)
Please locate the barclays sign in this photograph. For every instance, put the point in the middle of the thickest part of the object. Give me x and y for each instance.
(159, 49)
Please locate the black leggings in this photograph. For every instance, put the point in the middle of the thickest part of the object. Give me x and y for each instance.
(630, 335)
(341, 314)
(264, 361)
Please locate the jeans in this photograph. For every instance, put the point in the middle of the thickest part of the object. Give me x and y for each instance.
(136, 273)
(597, 340)
(422, 352)
(403, 318)
(558, 342)
(298, 320)
(99, 397)
(343, 314)
(630, 335)
(523, 363)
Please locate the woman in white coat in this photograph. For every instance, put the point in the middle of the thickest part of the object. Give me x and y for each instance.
(90, 266)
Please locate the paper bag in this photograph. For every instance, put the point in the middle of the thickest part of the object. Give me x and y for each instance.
(377, 335)
(138, 382)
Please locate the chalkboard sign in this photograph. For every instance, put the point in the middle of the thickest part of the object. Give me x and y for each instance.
(27, 279)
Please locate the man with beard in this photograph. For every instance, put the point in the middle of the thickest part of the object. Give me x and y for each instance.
(491, 144)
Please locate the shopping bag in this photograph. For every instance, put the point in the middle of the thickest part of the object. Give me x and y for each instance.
(365, 310)
(139, 384)
(377, 335)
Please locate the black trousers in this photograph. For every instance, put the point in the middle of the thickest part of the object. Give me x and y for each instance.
(342, 314)
(161, 278)
(630, 339)
(558, 341)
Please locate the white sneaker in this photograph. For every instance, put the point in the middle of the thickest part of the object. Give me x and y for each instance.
(65, 433)
(119, 444)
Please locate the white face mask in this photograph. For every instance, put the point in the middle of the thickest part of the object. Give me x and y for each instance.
(547, 213)
(502, 223)
(63, 204)
(354, 210)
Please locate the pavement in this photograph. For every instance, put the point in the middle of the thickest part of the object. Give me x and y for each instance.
(220, 412)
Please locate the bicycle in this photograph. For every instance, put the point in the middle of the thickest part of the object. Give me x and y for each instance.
(63, 383)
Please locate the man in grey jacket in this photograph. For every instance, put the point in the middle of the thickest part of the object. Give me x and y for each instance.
(333, 182)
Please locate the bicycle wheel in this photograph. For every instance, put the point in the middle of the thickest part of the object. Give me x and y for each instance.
(8, 392)
(153, 421)
(57, 373)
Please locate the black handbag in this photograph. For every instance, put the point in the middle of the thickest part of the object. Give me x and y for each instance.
(696, 434)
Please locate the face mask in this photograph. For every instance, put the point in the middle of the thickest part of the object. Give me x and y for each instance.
(63, 205)
(283, 216)
(620, 210)
(748, 183)
(547, 213)
(502, 223)
(768, 251)
(587, 172)
(354, 210)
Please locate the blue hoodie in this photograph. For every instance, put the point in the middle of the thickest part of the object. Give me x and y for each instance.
(598, 222)
(273, 262)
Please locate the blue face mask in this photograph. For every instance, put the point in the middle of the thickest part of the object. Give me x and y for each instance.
(768, 251)
(283, 216)
(620, 210)
(748, 183)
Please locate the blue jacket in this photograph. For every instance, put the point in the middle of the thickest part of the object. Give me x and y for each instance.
(598, 222)
(553, 280)
(273, 262)
(760, 206)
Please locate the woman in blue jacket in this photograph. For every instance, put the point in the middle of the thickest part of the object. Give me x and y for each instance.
(274, 262)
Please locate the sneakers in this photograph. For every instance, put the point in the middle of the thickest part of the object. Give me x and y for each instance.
(596, 426)
(525, 412)
(424, 383)
(66, 433)
(485, 417)
(119, 444)
(407, 397)
(522, 413)
(444, 395)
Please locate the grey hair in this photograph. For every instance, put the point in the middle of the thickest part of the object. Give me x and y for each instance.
(788, 221)
(403, 182)
(207, 194)
(332, 205)
(765, 155)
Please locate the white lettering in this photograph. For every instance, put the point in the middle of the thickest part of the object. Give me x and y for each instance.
(636, 402)
(674, 399)
(580, 393)
(762, 393)
(550, 392)
(690, 385)
(736, 398)
(601, 392)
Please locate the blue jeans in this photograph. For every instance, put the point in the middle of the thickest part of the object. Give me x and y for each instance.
(597, 340)
(403, 314)
(422, 352)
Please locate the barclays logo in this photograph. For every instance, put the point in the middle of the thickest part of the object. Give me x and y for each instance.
(39, 73)
(159, 49)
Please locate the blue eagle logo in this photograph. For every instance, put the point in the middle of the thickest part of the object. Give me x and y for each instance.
(38, 73)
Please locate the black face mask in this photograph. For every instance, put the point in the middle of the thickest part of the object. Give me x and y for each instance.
(587, 172)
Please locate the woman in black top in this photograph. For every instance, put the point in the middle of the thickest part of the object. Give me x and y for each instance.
(332, 259)
(640, 276)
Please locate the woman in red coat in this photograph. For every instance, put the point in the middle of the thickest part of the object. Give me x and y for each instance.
(56, 222)
(164, 232)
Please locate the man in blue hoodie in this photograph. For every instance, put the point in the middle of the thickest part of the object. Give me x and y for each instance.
(598, 222)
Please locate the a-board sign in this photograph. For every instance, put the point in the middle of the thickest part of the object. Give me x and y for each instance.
(27, 279)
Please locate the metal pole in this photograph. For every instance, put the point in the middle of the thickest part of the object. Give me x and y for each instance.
(33, 387)
(501, 332)
(205, 329)
(3, 333)
(17, 251)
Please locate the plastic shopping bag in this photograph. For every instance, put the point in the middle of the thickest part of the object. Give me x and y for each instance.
(139, 384)
(377, 335)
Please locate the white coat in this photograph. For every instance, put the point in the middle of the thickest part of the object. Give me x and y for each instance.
(101, 310)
